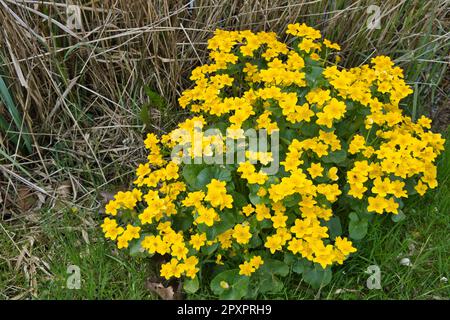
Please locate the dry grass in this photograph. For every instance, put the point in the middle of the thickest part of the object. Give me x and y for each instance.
(79, 92)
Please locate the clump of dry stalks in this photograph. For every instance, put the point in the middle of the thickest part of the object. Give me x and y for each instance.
(79, 91)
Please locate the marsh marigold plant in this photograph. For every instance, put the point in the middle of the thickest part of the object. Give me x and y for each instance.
(347, 154)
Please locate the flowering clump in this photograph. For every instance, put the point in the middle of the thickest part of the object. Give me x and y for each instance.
(346, 153)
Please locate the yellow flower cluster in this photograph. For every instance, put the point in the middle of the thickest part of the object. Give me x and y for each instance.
(248, 267)
(349, 139)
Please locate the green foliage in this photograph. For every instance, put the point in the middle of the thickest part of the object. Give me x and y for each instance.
(20, 125)
(357, 226)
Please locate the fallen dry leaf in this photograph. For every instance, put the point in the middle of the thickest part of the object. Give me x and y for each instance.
(64, 190)
(166, 293)
(26, 199)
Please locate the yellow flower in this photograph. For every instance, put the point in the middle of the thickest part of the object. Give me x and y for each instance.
(256, 261)
(190, 268)
(179, 251)
(193, 199)
(332, 173)
(217, 195)
(219, 259)
(279, 221)
(381, 187)
(307, 45)
(122, 242)
(273, 243)
(392, 206)
(242, 234)
(108, 224)
(171, 269)
(377, 204)
(248, 210)
(114, 232)
(262, 212)
(295, 245)
(112, 207)
(206, 216)
(421, 188)
(246, 269)
(261, 192)
(198, 240)
(331, 45)
(131, 232)
(151, 243)
(315, 170)
(344, 245)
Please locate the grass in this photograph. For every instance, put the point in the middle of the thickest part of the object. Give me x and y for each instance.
(80, 109)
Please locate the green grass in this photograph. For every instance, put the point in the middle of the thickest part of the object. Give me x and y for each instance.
(73, 237)
(105, 273)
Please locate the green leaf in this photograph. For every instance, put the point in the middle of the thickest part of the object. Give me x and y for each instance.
(239, 200)
(334, 226)
(292, 200)
(205, 176)
(208, 250)
(155, 99)
(255, 241)
(190, 173)
(135, 247)
(400, 216)
(317, 277)
(410, 187)
(144, 115)
(236, 285)
(272, 266)
(357, 227)
(353, 216)
(182, 222)
(255, 199)
(308, 129)
(314, 76)
(191, 285)
(300, 265)
(289, 258)
(227, 221)
(338, 156)
(288, 134)
(221, 173)
(270, 284)
(18, 120)
(5, 127)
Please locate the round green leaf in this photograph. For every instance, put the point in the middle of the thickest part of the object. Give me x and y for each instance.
(317, 277)
(300, 266)
(398, 217)
(191, 285)
(357, 229)
(335, 157)
(236, 285)
(334, 226)
(273, 266)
